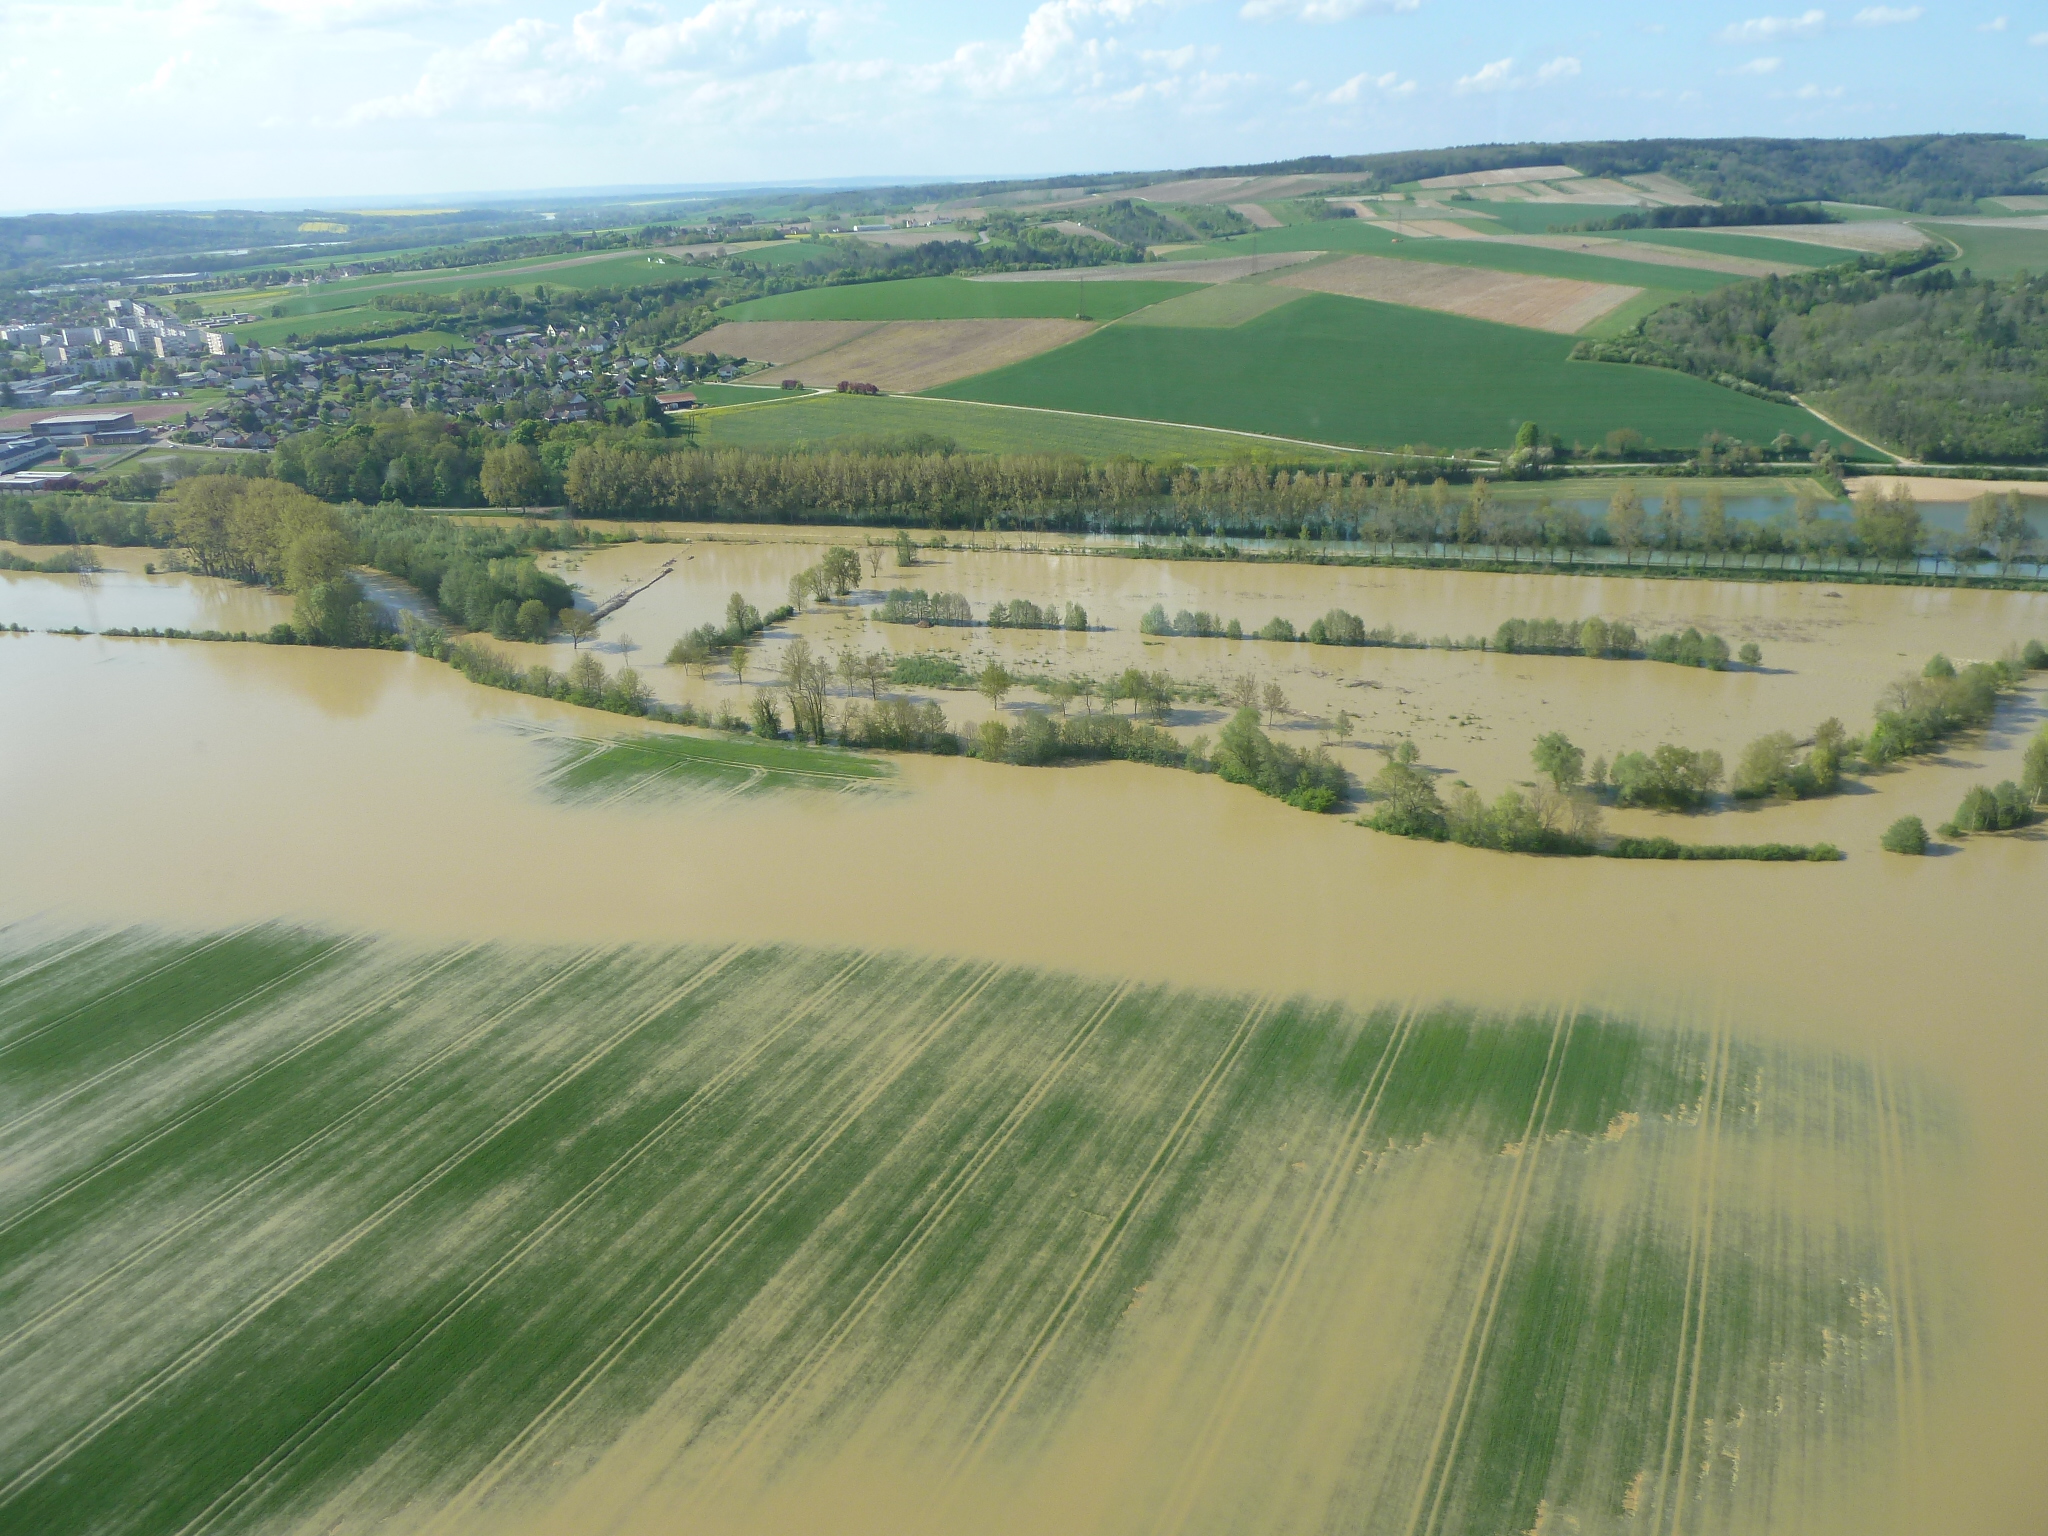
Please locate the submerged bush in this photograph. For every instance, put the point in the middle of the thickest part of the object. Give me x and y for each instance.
(1246, 755)
(928, 671)
(1906, 835)
(895, 724)
(336, 613)
(1673, 778)
(1919, 713)
(1993, 810)
(1771, 765)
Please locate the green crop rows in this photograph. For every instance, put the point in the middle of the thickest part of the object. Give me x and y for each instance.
(1375, 375)
(297, 1223)
(956, 298)
(825, 420)
(662, 767)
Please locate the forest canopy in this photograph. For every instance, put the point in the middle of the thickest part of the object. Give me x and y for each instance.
(1940, 364)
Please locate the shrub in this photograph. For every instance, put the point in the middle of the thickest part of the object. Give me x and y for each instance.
(1906, 835)
(1993, 810)
(1764, 853)
(336, 613)
(767, 720)
(1690, 649)
(1672, 777)
(896, 724)
(2035, 656)
(1155, 622)
(1021, 613)
(1276, 629)
(1751, 654)
(917, 606)
(1918, 713)
(1246, 755)
(928, 671)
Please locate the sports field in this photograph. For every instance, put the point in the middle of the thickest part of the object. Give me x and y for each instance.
(955, 298)
(1376, 375)
(313, 1231)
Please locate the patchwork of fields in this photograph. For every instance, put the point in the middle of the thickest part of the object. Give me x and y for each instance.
(310, 1230)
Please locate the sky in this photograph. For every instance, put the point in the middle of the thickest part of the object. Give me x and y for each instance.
(214, 102)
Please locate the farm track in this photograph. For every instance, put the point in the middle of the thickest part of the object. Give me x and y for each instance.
(444, 1239)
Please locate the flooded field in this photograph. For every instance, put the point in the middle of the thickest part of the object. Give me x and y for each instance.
(975, 1147)
(1828, 651)
(574, 1238)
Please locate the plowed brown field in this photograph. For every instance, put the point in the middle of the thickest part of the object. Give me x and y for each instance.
(901, 356)
(1555, 304)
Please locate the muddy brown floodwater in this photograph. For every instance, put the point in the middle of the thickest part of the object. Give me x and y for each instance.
(205, 784)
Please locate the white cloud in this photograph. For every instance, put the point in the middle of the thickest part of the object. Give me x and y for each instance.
(1764, 29)
(730, 36)
(510, 69)
(1497, 76)
(2039, 40)
(1500, 75)
(1060, 49)
(1361, 86)
(1319, 10)
(1758, 67)
(1995, 24)
(1888, 15)
(160, 81)
(533, 66)
(1815, 93)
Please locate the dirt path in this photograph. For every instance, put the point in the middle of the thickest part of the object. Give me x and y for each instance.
(1821, 415)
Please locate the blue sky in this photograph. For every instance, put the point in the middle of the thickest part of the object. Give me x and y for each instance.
(127, 102)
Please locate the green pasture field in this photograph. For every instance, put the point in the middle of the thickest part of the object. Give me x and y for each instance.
(1996, 252)
(311, 325)
(633, 769)
(412, 341)
(955, 298)
(311, 1225)
(1348, 371)
(1543, 218)
(739, 394)
(1624, 317)
(819, 421)
(1218, 305)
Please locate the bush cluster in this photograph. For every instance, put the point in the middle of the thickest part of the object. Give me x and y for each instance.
(914, 605)
(1022, 613)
